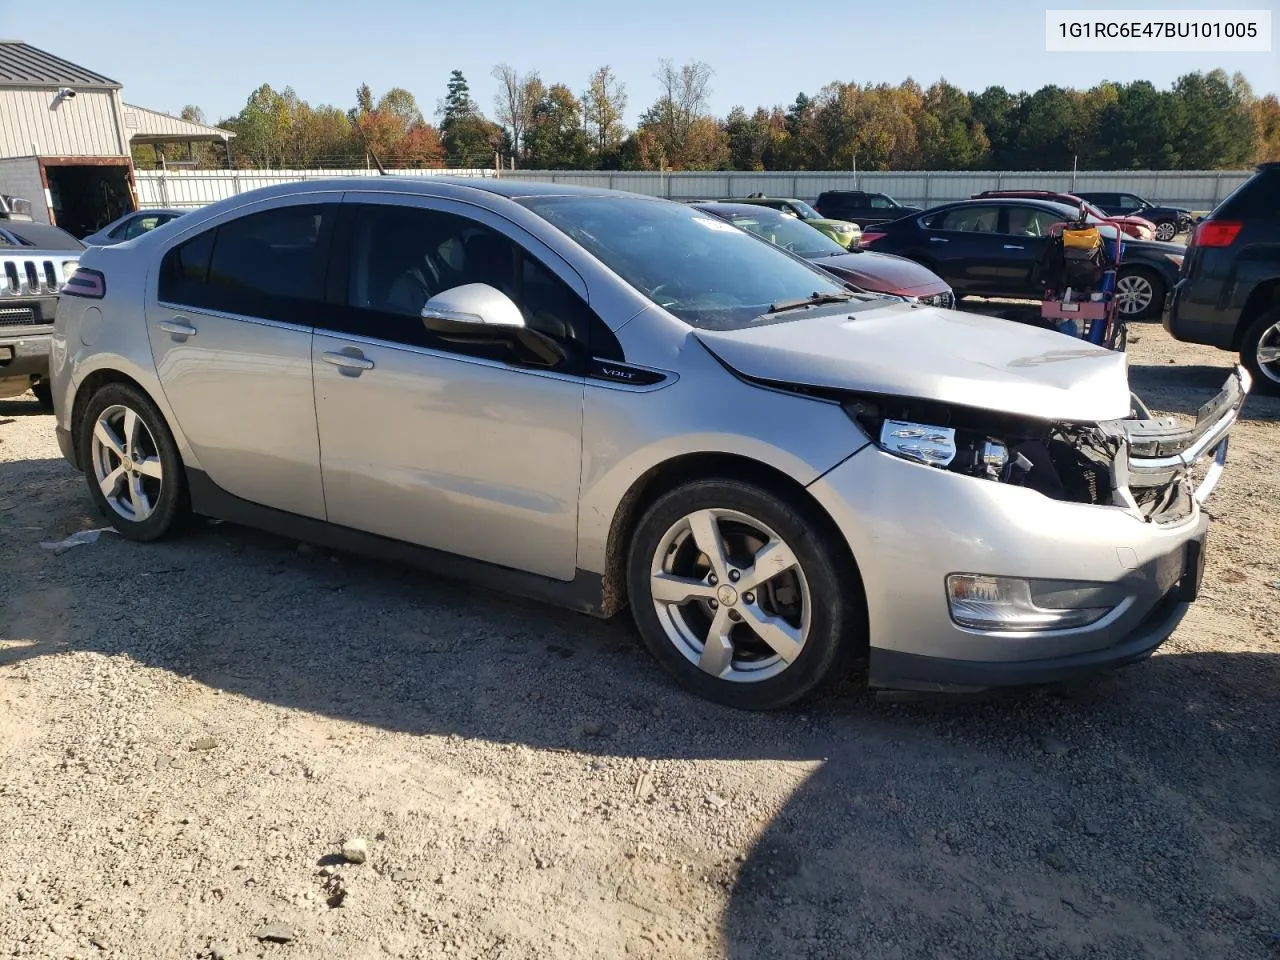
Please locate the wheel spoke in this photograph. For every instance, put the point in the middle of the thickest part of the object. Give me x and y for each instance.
(706, 534)
(138, 498)
(111, 482)
(772, 559)
(784, 639)
(717, 653)
(108, 439)
(150, 467)
(1269, 354)
(131, 421)
(668, 588)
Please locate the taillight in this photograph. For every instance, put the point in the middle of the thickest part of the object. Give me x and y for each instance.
(871, 236)
(86, 283)
(1216, 233)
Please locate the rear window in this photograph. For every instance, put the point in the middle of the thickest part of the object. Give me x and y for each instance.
(1256, 198)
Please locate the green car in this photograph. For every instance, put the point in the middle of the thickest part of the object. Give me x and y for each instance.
(842, 232)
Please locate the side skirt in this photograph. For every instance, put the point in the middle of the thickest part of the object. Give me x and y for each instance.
(584, 593)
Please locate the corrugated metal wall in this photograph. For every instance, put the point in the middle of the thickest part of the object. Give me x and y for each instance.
(1196, 190)
(87, 125)
(20, 177)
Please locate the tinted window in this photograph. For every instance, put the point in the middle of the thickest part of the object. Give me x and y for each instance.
(978, 219)
(117, 233)
(1259, 196)
(267, 265)
(704, 271)
(880, 202)
(142, 224)
(1129, 200)
(1030, 222)
(403, 256)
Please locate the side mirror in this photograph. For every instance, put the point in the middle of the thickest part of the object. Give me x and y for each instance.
(472, 308)
(478, 313)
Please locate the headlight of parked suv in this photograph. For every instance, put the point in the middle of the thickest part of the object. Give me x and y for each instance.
(845, 228)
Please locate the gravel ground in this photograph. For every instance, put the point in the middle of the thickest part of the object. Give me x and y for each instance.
(191, 731)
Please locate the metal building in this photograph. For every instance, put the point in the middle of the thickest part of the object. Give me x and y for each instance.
(65, 138)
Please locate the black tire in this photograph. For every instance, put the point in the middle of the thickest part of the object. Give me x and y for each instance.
(44, 395)
(1249, 342)
(172, 506)
(1158, 291)
(837, 624)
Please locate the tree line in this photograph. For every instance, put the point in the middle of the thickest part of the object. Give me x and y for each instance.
(1204, 121)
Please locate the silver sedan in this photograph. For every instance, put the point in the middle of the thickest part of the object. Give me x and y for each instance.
(603, 400)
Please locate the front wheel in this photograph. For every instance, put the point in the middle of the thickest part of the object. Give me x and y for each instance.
(131, 463)
(1260, 352)
(1139, 293)
(741, 596)
(1166, 230)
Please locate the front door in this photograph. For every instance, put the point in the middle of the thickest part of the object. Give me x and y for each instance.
(1024, 237)
(473, 449)
(964, 246)
(230, 330)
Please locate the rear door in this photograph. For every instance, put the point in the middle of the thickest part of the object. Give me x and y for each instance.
(963, 245)
(230, 330)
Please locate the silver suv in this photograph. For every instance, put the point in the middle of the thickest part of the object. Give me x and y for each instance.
(603, 399)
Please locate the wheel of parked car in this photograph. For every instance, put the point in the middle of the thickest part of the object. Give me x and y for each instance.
(1260, 352)
(1139, 293)
(132, 464)
(44, 395)
(741, 595)
(1166, 230)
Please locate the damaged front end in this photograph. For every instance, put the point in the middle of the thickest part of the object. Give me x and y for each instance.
(1144, 465)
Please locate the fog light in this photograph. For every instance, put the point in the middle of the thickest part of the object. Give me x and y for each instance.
(1011, 604)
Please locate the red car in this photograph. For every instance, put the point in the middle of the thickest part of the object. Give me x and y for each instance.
(865, 269)
(1136, 227)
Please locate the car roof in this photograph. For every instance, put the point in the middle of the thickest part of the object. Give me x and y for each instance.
(1010, 201)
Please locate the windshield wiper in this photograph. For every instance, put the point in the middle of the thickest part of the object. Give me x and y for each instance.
(813, 300)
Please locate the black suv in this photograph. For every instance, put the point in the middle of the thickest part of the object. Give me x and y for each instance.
(1169, 221)
(1228, 292)
(861, 208)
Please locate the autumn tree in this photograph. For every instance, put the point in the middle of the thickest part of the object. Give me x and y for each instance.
(685, 95)
(603, 105)
(469, 138)
(514, 102)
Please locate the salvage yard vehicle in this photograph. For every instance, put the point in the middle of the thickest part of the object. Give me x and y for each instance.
(35, 262)
(130, 226)
(842, 232)
(604, 399)
(1228, 295)
(991, 248)
(1137, 227)
(1169, 221)
(857, 206)
(877, 272)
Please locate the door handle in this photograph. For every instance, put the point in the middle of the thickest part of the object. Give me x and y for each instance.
(352, 364)
(1013, 246)
(939, 240)
(178, 329)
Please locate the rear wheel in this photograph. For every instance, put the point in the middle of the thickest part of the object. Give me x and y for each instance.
(1139, 293)
(131, 463)
(44, 395)
(1260, 352)
(1166, 230)
(741, 596)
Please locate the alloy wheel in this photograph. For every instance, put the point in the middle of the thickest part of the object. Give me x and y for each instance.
(1134, 294)
(1166, 231)
(730, 595)
(1268, 353)
(126, 463)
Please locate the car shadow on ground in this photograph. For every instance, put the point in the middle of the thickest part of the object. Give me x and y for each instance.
(1132, 814)
(21, 406)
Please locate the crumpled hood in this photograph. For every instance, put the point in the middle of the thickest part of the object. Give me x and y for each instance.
(923, 352)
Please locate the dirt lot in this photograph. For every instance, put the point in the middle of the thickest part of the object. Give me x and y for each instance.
(190, 731)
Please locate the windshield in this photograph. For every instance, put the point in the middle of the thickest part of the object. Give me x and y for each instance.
(705, 271)
(789, 233)
(806, 212)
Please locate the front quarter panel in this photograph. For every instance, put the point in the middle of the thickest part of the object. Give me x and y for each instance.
(703, 408)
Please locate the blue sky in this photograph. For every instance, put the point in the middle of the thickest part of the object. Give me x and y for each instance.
(215, 53)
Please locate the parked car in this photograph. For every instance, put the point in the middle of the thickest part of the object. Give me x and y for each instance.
(1169, 221)
(602, 398)
(844, 233)
(991, 248)
(861, 208)
(1228, 295)
(131, 225)
(35, 261)
(1136, 227)
(877, 272)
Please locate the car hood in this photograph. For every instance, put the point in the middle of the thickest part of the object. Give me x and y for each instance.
(920, 352)
(883, 273)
